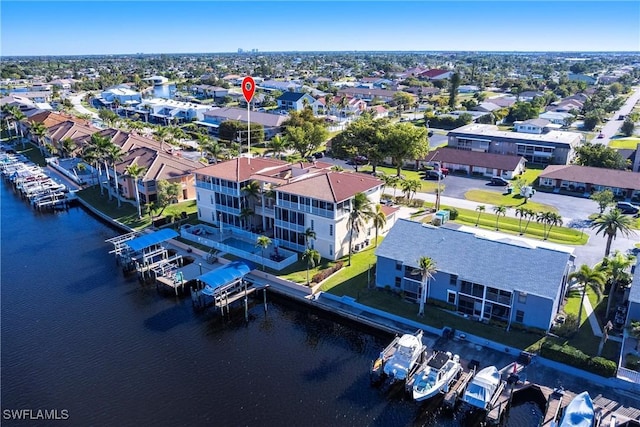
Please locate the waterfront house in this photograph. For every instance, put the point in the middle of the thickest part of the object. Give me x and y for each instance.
(585, 180)
(293, 197)
(553, 147)
(481, 275)
(158, 165)
(168, 111)
(120, 95)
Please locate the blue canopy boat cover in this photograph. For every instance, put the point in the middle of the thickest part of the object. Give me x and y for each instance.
(579, 413)
(154, 238)
(224, 275)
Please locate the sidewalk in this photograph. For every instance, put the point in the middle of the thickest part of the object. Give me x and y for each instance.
(595, 326)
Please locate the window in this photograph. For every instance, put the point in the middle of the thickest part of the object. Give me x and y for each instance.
(398, 282)
(312, 226)
(398, 265)
(330, 229)
(451, 297)
(522, 297)
(519, 316)
(453, 279)
(330, 249)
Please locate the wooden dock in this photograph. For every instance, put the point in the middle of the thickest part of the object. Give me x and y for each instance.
(502, 400)
(457, 389)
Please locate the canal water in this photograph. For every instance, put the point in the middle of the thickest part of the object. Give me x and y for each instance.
(164, 91)
(77, 336)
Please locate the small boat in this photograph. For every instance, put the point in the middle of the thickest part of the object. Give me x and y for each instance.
(399, 358)
(579, 412)
(482, 388)
(435, 376)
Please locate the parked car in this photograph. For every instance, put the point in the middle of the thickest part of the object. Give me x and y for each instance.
(600, 135)
(627, 208)
(318, 155)
(496, 180)
(433, 174)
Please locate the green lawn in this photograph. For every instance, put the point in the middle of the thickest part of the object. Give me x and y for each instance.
(127, 213)
(427, 186)
(531, 174)
(510, 200)
(510, 225)
(624, 143)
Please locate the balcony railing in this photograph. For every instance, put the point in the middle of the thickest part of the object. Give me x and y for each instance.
(306, 209)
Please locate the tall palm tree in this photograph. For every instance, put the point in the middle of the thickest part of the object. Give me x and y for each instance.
(40, 132)
(552, 219)
(309, 235)
(520, 213)
(617, 267)
(610, 224)
(480, 209)
(312, 258)
(499, 210)
(115, 155)
(263, 243)
(360, 213)
(394, 181)
(426, 268)
(98, 148)
(162, 134)
(245, 214)
(135, 172)
(20, 117)
(379, 221)
(529, 214)
(591, 278)
(8, 113)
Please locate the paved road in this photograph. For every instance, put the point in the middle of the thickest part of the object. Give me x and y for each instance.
(612, 127)
(76, 100)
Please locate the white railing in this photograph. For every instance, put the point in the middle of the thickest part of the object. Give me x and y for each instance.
(628, 375)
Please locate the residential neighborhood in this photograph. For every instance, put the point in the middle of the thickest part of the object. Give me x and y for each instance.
(494, 195)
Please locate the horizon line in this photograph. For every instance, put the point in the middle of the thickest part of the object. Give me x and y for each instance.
(250, 52)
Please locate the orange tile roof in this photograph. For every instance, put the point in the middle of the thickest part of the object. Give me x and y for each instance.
(331, 186)
(240, 169)
(52, 118)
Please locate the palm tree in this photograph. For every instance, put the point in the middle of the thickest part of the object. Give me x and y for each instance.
(480, 209)
(529, 214)
(67, 145)
(263, 242)
(379, 221)
(552, 219)
(252, 193)
(499, 210)
(394, 181)
(135, 172)
(591, 278)
(40, 131)
(20, 117)
(115, 155)
(245, 214)
(7, 112)
(98, 151)
(426, 268)
(312, 258)
(277, 145)
(360, 213)
(610, 224)
(213, 149)
(162, 134)
(616, 267)
(520, 213)
(309, 235)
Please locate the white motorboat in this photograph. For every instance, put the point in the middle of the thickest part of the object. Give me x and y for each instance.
(482, 388)
(579, 412)
(408, 352)
(436, 376)
(399, 358)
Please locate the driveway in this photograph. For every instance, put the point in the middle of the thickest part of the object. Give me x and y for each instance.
(76, 100)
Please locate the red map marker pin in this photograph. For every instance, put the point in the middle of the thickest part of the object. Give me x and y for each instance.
(248, 88)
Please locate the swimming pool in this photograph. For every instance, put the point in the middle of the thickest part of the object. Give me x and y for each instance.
(243, 245)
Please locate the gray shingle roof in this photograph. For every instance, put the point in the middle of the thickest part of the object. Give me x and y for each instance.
(505, 265)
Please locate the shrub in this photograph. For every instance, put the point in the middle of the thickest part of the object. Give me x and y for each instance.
(573, 357)
(567, 328)
(453, 213)
(323, 274)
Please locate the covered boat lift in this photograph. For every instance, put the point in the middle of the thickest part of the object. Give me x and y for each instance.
(143, 253)
(223, 286)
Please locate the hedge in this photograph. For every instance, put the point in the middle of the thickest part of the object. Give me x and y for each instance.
(573, 357)
(323, 274)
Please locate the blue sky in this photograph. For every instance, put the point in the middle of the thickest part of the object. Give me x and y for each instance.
(120, 27)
